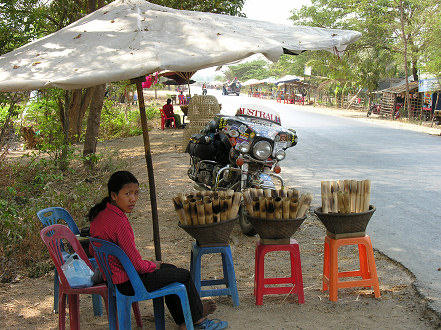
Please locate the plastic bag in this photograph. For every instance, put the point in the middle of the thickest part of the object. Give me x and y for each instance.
(77, 273)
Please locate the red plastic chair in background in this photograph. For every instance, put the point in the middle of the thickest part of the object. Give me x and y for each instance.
(164, 119)
(52, 237)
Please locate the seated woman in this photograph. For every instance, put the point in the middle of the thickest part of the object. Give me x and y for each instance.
(109, 222)
(168, 111)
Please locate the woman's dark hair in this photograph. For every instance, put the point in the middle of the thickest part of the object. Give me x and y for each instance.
(168, 101)
(116, 182)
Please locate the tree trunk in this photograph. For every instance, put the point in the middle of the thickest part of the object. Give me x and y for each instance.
(76, 110)
(406, 68)
(93, 122)
(64, 118)
(415, 70)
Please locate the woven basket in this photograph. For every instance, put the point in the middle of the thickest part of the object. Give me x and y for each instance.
(338, 223)
(201, 109)
(217, 233)
(276, 229)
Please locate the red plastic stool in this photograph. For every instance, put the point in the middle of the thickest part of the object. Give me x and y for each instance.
(295, 279)
(368, 271)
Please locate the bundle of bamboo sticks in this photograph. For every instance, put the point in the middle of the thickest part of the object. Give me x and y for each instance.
(205, 207)
(345, 196)
(284, 203)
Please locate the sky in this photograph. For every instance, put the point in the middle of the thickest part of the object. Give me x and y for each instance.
(275, 11)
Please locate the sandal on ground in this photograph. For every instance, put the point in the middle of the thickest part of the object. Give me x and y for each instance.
(214, 324)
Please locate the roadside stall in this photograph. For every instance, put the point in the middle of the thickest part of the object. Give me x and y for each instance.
(431, 89)
(291, 89)
(393, 102)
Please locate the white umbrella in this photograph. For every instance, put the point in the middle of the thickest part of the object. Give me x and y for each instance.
(128, 39)
(131, 38)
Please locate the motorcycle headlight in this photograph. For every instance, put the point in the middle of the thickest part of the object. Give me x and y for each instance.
(244, 147)
(262, 150)
(280, 154)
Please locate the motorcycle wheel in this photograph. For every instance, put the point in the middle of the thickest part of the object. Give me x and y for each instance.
(245, 225)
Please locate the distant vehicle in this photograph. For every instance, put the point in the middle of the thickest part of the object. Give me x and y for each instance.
(233, 88)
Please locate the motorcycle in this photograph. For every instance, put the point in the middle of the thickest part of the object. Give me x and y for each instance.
(240, 152)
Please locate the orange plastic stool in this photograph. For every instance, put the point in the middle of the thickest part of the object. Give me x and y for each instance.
(295, 279)
(367, 271)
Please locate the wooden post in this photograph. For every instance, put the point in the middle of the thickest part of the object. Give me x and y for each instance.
(148, 158)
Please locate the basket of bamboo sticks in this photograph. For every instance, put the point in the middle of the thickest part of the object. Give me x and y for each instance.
(276, 214)
(345, 210)
(208, 216)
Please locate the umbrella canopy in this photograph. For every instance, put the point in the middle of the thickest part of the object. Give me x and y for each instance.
(175, 83)
(131, 38)
(181, 78)
(288, 78)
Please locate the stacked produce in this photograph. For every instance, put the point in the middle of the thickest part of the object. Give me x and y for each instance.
(345, 196)
(276, 204)
(206, 207)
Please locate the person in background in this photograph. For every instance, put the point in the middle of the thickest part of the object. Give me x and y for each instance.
(109, 222)
(168, 111)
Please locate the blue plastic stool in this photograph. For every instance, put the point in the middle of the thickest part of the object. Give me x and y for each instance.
(228, 268)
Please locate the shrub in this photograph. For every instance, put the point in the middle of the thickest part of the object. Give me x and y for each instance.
(118, 121)
(32, 184)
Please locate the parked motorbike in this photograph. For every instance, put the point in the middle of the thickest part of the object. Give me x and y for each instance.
(240, 152)
(375, 108)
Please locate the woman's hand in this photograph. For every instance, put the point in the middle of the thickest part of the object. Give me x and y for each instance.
(158, 264)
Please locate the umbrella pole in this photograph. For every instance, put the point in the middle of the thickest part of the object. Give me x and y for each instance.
(148, 158)
(188, 84)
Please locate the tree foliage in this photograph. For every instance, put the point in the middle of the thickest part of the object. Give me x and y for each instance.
(257, 69)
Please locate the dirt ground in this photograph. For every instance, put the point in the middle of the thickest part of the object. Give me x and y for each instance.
(27, 304)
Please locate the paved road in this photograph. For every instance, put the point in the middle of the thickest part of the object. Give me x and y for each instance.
(405, 170)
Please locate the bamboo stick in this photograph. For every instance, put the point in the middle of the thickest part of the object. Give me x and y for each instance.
(341, 206)
(235, 206)
(358, 197)
(262, 206)
(346, 184)
(186, 207)
(267, 192)
(347, 202)
(269, 208)
(193, 212)
(334, 205)
(293, 206)
(353, 191)
(285, 207)
(248, 201)
(283, 192)
(278, 208)
(201, 212)
(216, 209)
(256, 207)
(229, 192)
(208, 205)
(295, 194)
(325, 208)
(179, 209)
(224, 208)
(367, 195)
(253, 192)
(304, 204)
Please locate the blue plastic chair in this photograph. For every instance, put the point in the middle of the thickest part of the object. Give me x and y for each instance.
(103, 249)
(229, 279)
(51, 216)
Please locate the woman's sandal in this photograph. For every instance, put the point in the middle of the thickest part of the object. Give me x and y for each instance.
(214, 324)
